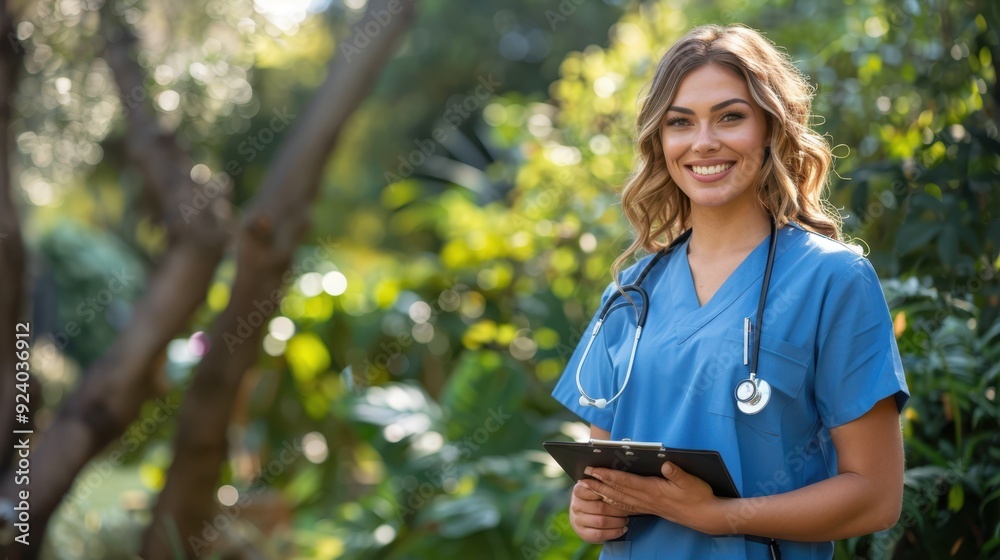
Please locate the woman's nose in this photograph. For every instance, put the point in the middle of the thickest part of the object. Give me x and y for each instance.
(705, 140)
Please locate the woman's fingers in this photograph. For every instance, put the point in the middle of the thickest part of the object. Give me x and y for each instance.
(587, 501)
(593, 519)
(599, 536)
(598, 528)
(598, 508)
(584, 493)
(675, 474)
(601, 522)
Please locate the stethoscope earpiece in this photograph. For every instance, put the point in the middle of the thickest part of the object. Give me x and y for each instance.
(599, 403)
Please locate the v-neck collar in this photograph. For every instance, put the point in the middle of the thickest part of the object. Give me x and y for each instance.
(692, 315)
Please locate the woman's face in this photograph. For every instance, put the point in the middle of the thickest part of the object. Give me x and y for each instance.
(713, 138)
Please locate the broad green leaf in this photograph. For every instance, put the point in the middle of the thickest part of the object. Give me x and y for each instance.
(915, 235)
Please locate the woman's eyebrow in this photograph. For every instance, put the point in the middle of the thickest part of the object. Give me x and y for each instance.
(711, 109)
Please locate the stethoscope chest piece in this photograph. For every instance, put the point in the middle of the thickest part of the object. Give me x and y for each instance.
(752, 394)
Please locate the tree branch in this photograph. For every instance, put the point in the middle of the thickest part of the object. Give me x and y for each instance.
(273, 227)
(115, 387)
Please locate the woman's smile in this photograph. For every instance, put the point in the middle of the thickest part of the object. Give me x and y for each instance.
(709, 172)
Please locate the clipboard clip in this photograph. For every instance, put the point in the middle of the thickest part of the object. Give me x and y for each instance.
(625, 445)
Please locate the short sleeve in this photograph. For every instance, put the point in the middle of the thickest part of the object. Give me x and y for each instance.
(596, 377)
(857, 360)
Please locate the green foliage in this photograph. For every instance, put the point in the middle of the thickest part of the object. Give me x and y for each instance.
(459, 478)
(92, 281)
(952, 430)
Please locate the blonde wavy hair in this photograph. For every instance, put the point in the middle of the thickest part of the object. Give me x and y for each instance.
(791, 183)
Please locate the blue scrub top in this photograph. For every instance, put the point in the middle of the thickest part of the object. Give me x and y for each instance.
(827, 350)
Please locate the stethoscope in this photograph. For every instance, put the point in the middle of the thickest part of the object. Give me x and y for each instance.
(752, 394)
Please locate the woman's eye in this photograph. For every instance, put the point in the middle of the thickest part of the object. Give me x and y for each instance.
(732, 117)
(674, 121)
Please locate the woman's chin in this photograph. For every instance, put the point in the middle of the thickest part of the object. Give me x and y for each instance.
(720, 198)
(713, 202)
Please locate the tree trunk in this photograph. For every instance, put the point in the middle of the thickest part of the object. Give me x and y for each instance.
(274, 225)
(115, 387)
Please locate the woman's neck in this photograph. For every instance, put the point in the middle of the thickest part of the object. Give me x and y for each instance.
(720, 232)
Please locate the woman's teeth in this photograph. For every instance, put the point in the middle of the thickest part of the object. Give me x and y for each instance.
(712, 170)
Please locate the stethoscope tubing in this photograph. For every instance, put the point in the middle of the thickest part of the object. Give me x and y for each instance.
(641, 316)
(764, 285)
(608, 307)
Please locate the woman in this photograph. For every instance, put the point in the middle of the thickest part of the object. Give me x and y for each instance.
(725, 152)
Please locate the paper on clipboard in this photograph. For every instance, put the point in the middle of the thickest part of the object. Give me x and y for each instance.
(643, 458)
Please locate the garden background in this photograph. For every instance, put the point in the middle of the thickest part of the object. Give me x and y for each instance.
(301, 274)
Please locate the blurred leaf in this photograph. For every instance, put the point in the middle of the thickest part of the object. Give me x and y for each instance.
(956, 498)
(455, 519)
(915, 235)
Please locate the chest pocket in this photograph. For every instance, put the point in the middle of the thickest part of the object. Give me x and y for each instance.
(782, 364)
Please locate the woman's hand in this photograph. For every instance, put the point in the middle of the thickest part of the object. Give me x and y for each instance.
(678, 497)
(593, 519)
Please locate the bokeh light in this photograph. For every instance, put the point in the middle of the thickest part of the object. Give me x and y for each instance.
(228, 495)
(334, 283)
(273, 346)
(314, 447)
(281, 328)
(199, 344)
(311, 284)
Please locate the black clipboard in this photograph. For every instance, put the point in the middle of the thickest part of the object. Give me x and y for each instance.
(643, 458)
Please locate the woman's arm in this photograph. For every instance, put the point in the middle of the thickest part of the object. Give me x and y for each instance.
(865, 496)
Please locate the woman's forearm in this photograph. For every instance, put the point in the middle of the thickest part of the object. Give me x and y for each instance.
(844, 506)
(866, 496)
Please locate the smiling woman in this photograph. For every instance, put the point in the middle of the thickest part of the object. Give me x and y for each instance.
(714, 138)
(765, 338)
